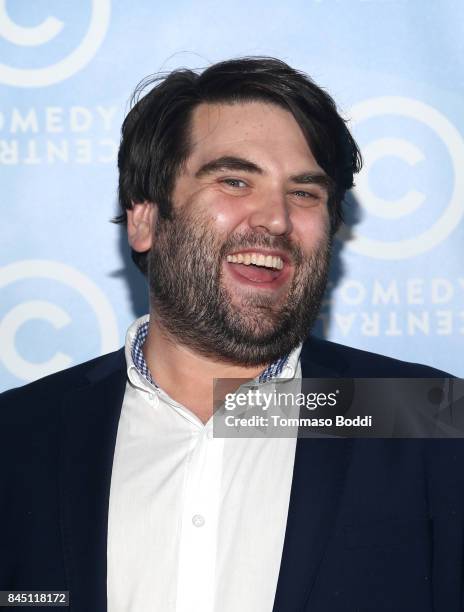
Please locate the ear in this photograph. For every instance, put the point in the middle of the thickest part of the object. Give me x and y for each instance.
(141, 219)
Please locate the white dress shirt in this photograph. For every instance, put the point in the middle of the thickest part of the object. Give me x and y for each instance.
(196, 523)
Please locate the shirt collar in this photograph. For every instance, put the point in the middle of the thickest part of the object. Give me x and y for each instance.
(137, 366)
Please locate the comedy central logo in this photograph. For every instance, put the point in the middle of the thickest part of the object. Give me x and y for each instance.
(412, 200)
(45, 33)
(53, 314)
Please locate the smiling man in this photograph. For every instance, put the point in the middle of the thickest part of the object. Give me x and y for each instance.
(114, 487)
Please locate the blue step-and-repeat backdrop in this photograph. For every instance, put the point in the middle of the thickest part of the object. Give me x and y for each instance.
(395, 67)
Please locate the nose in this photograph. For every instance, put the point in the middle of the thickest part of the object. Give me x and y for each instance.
(271, 215)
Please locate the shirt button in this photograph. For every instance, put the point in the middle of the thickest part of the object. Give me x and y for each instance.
(209, 434)
(198, 520)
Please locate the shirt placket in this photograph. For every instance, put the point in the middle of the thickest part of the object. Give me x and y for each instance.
(199, 524)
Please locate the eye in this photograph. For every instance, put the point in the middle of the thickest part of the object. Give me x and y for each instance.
(307, 199)
(307, 194)
(232, 182)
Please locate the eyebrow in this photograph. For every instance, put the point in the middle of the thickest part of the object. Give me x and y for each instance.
(313, 178)
(229, 162)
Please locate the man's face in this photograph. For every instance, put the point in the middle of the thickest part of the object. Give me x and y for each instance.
(239, 271)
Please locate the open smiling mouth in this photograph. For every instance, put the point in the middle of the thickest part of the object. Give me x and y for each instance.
(256, 268)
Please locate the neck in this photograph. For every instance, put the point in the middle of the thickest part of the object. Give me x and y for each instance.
(184, 374)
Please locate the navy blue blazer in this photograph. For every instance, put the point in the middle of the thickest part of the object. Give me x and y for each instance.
(373, 525)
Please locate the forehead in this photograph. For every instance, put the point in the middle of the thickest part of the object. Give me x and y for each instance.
(248, 128)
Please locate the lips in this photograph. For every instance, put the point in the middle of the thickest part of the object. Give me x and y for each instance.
(255, 278)
(256, 274)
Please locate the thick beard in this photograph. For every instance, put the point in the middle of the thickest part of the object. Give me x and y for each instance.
(192, 305)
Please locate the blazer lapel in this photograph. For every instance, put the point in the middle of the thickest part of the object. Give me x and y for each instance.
(90, 417)
(317, 485)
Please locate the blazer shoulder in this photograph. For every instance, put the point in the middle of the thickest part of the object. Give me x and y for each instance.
(349, 361)
(43, 394)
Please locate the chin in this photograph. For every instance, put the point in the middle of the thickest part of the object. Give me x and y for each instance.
(252, 305)
(260, 328)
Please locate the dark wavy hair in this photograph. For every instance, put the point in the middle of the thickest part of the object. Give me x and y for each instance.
(155, 133)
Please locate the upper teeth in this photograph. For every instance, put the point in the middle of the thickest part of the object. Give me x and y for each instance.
(258, 259)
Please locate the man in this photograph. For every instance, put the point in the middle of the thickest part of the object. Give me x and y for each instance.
(113, 484)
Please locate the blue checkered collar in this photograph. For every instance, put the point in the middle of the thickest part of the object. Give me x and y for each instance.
(138, 359)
